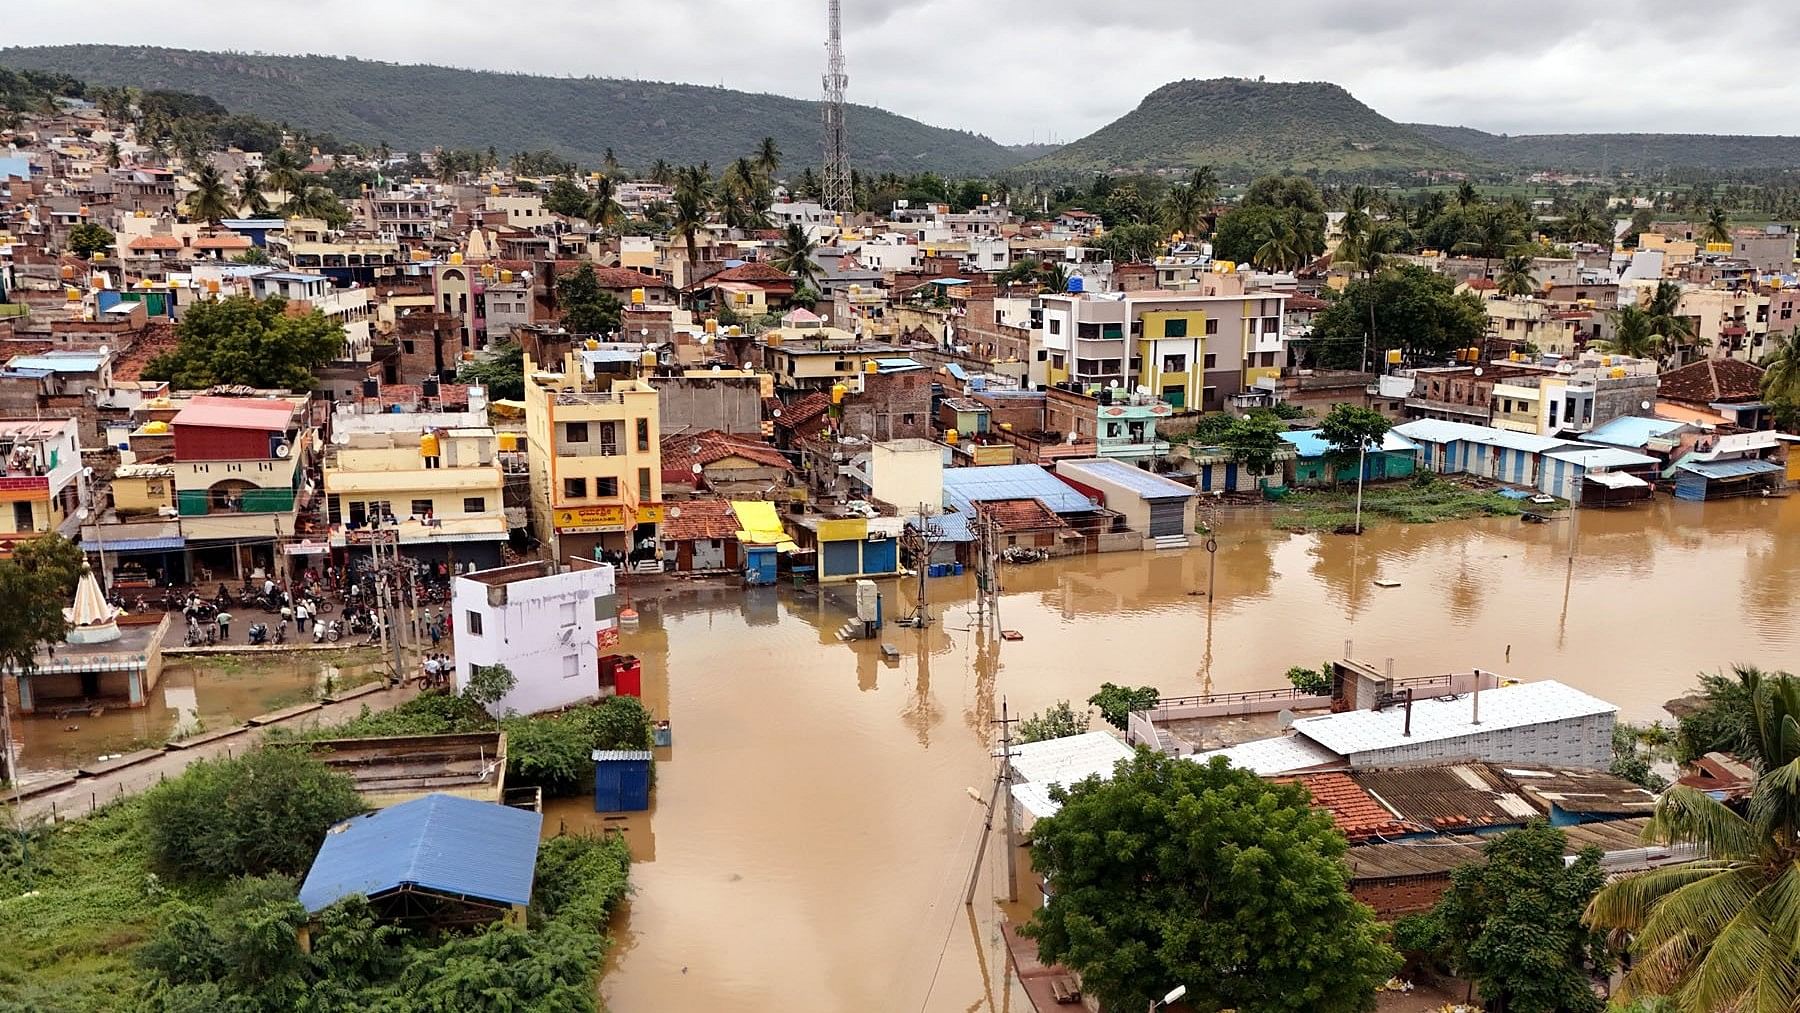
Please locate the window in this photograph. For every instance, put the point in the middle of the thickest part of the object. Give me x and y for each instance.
(571, 666)
(1208, 395)
(575, 432)
(643, 435)
(1175, 327)
(565, 614)
(575, 488)
(357, 514)
(421, 507)
(1271, 325)
(1112, 331)
(1055, 326)
(644, 486)
(1087, 332)
(474, 504)
(1212, 360)
(1042, 355)
(472, 623)
(1175, 363)
(606, 487)
(1212, 326)
(908, 419)
(406, 345)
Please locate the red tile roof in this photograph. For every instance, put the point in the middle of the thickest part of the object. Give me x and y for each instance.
(156, 338)
(1353, 811)
(682, 451)
(699, 518)
(803, 409)
(155, 243)
(1015, 515)
(625, 277)
(753, 273)
(1713, 380)
(1481, 283)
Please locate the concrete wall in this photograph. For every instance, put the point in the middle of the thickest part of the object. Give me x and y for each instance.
(731, 404)
(543, 628)
(1577, 742)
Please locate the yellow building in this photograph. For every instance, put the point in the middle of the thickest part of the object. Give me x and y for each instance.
(143, 489)
(443, 490)
(41, 479)
(594, 441)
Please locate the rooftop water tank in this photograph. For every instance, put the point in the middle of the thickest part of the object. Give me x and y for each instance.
(1075, 284)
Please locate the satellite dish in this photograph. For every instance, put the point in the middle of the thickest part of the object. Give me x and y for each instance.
(1114, 384)
(697, 469)
(81, 514)
(1645, 405)
(693, 448)
(283, 450)
(776, 413)
(1478, 370)
(675, 513)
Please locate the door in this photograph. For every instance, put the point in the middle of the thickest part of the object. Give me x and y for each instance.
(1166, 518)
(1231, 476)
(839, 559)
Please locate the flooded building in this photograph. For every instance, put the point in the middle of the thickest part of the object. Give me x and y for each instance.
(391, 769)
(438, 492)
(546, 627)
(1160, 509)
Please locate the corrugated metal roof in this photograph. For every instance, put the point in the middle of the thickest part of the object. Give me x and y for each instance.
(1517, 706)
(1069, 759)
(1462, 796)
(1615, 479)
(443, 843)
(1312, 442)
(610, 755)
(1015, 481)
(1147, 484)
(1729, 469)
(136, 544)
(1442, 431)
(59, 363)
(1281, 754)
(1632, 431)
(232, 417)
(1603, 457)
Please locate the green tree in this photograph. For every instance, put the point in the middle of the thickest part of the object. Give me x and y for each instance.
(1467, 195)
(1718, 226)
(1349, 429)
(1718, 933)
(1723, 720)
(1667, 320)
(1513, 924)
(249, 341)
(250, 194)
(1132, 242)
(1059, 722)
(566, 197)
(501, 370)
(1632, 334)
(35, 585)
(489, 684)
(1205, 183)
(314, 201)
(285, 172)
(1117, 702)
(1199, 874)
(690, 218)
(587, 309)
(1584, 224)
(211, 200)
(1491, 232)
(795, 256)
(264, 812)
(1413, 309)
(1516, 279)
(1253, 442)
(768, 157)
(1184, 211)
(1312, 681)
(115, 156)
(89, 238)
(602, 208)
(1781, 372)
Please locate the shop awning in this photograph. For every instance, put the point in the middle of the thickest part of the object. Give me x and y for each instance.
(135, 544)
(761, 525)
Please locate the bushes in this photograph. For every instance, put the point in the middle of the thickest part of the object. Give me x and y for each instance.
(1117, 702)
(1312, 681)
(1058, 722)
(554, 751)
(265, 812)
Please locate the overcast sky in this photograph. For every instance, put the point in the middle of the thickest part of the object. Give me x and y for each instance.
(1021, 70)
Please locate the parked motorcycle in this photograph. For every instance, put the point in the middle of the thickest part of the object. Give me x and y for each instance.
(257, 634)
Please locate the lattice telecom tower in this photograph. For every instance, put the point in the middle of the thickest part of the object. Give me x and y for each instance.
(837, 195)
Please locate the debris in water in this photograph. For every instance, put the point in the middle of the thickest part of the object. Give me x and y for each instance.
(1387, 583)
(1011, 635)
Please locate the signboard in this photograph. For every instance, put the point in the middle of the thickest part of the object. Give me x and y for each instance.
(608, 637)
(366, 536)
(307, 549)
(606, 517)
(650, 513)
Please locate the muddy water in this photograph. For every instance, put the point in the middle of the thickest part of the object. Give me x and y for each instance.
(190, 696)
(812, 833)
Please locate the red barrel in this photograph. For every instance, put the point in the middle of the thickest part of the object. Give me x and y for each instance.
(624, 673)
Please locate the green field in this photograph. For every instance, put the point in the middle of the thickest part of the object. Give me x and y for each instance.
(1426, 500)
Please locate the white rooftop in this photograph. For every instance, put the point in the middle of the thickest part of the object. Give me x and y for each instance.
(1068, 759)
(1280, 754)
(1451, 717)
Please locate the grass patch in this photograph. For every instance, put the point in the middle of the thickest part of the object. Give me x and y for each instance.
(1421, 501)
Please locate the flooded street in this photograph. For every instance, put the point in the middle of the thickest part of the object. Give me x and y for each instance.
(812, 834)
(193, 695)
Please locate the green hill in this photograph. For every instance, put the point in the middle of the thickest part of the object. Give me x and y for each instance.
(416, 107)
(1613, 152)
(1244, 127)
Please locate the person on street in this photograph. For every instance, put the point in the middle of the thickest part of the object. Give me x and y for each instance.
(224, 619)
(300, 616)
(436, 633)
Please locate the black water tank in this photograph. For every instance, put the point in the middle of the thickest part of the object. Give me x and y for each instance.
(430, 386)
(371, 387)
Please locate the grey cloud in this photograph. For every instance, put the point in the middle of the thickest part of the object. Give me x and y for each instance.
(1024, 69)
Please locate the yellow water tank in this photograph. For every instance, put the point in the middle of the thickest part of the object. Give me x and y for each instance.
(950, 437)
(711, 326)
(509, 441)
(212, 286)
(637, 297)
(456, 259)
(428, 445)
(1393, 357)
(494, 189)
(487, 270)
(1606, 360)
(1006, 427)
(140, 214)
(1618, 372)
(156, 428)
(68, 270)
(648, 359)
(838, 391)
(870, 366)
(73, 295)
(590, 344)
(505, 277)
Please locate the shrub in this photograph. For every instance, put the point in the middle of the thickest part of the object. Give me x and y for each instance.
(555, 751)
(1058, 722)
(488, 684)
(1117, 702)
(1312, 681)
(264, 812)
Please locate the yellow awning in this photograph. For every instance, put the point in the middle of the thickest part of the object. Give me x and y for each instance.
(762, 526)
(507, 408)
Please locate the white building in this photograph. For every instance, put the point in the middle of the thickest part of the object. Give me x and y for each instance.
(544, 626)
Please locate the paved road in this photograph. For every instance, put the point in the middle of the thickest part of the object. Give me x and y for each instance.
(78, 799)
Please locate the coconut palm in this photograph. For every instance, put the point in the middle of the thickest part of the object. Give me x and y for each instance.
(1495, 232)
(1205, 183)
(1278, 242)
(1664, 308)
(250, 192)
(662, 173)
(286, 172)
(768, 157)
(1633, 334)
(609, 164)
(211, 199)
(1467, 195)
(689, 219)
(1583, 225)
(115, 156)
(1723, 932)
(1183, 211)
(1370, 250)
(1718, 227)
(1515, 275)
(1781, 371)
(794, 256)
(603, 208)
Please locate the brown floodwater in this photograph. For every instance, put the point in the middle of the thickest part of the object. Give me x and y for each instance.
(191, 696)
(812, 834)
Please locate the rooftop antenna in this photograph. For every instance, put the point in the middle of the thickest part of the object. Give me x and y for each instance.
(837, 195)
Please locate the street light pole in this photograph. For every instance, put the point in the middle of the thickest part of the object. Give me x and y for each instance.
(1362, 455)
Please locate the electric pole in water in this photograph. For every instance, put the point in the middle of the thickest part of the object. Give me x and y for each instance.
(1000, 796)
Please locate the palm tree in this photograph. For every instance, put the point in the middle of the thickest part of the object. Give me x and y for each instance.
(1515, 274)
(662, 173)
(1369, 251)
(1781, 371)
(1719, 933)
(1205, 184)
(1717, 226)
(768, 157)
(690, 218)
(1494, 234)
(794, 256)
(1276, 252)
(285, 171)
(1467, 195)
(609, 164)
(1183, 212)
(1583, 225)
(1664, 309)
(250, 191)
(115, 156)
(1633, 334)
(1054, 276)
(211, 199)
(603, 208)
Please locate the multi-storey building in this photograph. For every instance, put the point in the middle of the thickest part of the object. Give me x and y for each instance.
(40, 478)
(593, 431)
(436, 491)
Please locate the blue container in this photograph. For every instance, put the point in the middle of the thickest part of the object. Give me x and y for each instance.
(958, 569)
(1075, 284)
(621, 780)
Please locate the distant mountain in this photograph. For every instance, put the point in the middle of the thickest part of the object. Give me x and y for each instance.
(416, 107)
(1613, 152)
(1244, 127)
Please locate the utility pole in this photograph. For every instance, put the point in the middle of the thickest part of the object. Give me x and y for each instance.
(1000, 795)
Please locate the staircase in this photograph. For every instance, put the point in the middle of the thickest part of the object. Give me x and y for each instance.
(851, 630)
(1169, 542)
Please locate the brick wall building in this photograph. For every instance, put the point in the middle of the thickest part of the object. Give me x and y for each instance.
(892, 406)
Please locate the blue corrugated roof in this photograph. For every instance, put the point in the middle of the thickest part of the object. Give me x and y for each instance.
(1146, 484)
(1602, 457)
(134, 544)
(1312, 442)
(1014, 481)
(957, 371)
(443, 843)
(59, 363)
(1442, 431)
(1632, 431)
(1729, 469)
